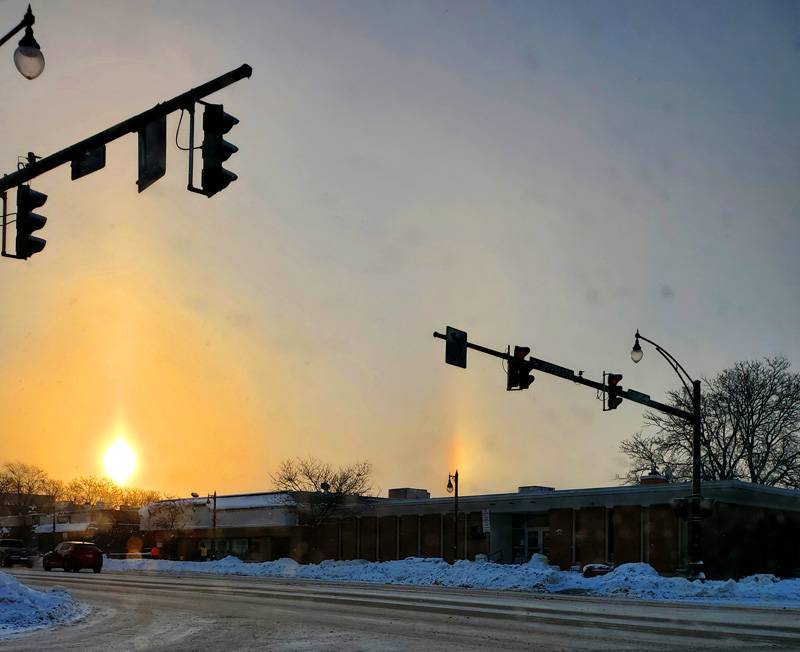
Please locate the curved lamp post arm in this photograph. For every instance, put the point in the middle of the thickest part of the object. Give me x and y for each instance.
(27, 21)
(677, 366)
(695, 515)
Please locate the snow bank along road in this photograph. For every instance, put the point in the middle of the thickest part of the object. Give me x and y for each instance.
(202, 612)
(537, 576)
(23, 608)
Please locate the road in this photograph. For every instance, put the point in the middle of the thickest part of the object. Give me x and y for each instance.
(138, 611)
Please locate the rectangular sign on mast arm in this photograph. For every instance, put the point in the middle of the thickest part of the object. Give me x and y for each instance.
(554, 369)
(152, 152)
(90, 161)
(455, 352)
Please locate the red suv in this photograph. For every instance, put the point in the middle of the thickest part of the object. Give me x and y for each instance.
(74, 555)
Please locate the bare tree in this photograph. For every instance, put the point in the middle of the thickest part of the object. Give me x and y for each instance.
(169, 515)
(93, 489)
(56, 489)
(327, 487)
(134, 497)
(20, 483)
(751, 428)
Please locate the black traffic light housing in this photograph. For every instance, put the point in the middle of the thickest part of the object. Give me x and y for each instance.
(216, 150)
(27, 221)
(519, 376)
(614, 391)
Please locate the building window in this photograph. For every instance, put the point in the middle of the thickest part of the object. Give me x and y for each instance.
(239, 547)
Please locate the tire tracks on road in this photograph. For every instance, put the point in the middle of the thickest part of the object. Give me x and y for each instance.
(383, 598)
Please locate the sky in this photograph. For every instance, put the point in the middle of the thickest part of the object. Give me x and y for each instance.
(547, 174)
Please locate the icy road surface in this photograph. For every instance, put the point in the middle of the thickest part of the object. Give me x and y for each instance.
(150, 611)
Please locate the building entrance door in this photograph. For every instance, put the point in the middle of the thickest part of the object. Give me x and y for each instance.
(529, 534)
(537, 541)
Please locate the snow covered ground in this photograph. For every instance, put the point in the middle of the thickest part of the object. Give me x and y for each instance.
(23, 609)
(629, 580)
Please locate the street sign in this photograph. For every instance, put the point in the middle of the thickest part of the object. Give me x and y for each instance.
(455, 352)
(90, 161)
(637, 397)
(152, 152)
(556, 370)
(486, 521)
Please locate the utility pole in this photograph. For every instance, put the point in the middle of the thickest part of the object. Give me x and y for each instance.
(214, 528)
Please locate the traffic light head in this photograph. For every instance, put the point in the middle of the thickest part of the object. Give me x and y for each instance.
(216, 150)
(519, 376)
(614, 391)
(27, 221)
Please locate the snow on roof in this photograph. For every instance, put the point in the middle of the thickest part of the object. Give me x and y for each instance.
(47, 528)
(251, 501)
(235, 501)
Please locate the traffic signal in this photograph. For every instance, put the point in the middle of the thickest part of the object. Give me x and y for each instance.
(216, 150)
(614, 391)
(519, 369)
(28, 221)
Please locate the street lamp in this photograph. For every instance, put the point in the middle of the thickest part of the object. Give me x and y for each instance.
(695, 500)
(28, 57)
(452, 483)
(211, 499)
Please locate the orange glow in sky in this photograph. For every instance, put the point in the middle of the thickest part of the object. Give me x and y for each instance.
(493, 170)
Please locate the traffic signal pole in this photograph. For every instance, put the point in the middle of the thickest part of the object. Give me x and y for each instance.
(131, 125)
(456, 354)
(569, 374)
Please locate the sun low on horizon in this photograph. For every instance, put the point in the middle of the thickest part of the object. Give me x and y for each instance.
(119, 461)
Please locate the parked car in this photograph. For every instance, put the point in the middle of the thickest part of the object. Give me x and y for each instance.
(13, 551)
(73, 556)
(594, 570)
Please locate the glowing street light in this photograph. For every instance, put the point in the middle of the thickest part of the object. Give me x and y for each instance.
(636, 352)
(28, 57)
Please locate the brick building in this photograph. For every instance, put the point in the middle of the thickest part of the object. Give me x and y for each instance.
(751, 529)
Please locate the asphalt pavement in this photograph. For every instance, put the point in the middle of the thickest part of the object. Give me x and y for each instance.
(145, 611)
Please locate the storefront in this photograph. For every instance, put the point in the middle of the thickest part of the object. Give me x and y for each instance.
(750, 529)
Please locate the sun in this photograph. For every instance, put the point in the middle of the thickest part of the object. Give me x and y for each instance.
(119, 461)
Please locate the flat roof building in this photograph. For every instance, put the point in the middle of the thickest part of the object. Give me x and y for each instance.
(751, 528)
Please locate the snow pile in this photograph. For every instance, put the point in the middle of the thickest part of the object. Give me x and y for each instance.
(537, 575)
(23, 608)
